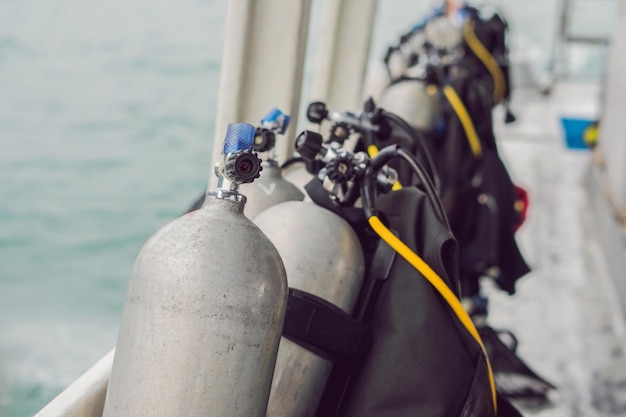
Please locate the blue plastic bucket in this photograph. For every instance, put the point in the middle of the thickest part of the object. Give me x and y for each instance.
(575, 131)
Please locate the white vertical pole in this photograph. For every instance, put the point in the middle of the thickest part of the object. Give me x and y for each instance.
(262, 65)
(343, 53)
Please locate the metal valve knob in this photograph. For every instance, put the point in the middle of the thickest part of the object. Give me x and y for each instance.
(339, 132)
(309, 144)
(264, 139)
(316, 112)
(276, 121)
(242, 167)
(239, 164)
(340, 169)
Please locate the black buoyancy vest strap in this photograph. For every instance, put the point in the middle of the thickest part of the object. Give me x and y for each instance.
(403, 78)
(354, 216)
(324, 328)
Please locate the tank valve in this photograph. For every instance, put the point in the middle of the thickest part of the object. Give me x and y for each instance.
(339, 132)
(341, 169)
(309, 144)
(316, 112)
(273, 123)
(239, 164)
(264, 139)
(242, 167)
(276, 121)
(368, 122)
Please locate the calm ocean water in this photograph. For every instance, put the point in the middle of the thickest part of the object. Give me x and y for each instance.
(106, 120)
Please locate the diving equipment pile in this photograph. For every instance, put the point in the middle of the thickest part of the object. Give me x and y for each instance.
(423, 355)
(374, 325)
(455, 63)
(370, 284)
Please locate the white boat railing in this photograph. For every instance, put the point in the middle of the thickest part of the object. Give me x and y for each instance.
(567, 34)
(85, 396)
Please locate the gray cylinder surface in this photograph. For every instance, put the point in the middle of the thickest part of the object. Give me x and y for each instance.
(298, 176)
(202, 320)
(322, 256)
(270, 189)
(410, 101)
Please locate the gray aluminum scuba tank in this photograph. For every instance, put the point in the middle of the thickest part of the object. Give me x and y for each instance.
(297, 175)
(271, 188)
(204, 310)
(323, 256)
(410, 99)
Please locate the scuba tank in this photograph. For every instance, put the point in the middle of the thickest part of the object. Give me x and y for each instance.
(325, 265)
(412, 93)
(295, 172)
(271, 188)
(323, 257)
(204, 309)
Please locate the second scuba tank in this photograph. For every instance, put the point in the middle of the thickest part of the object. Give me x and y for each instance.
(322, 256)
(297, 175)
(204, 309)
(271, 188)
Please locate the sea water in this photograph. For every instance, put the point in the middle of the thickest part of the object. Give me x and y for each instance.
(107, 112)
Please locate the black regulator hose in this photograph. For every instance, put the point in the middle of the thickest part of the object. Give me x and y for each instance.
(402, 124)
(351, 196)
(289, 162)
(368, 191)
(431, 189)
(396, 151)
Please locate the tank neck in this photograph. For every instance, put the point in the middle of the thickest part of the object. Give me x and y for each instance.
(225, 197)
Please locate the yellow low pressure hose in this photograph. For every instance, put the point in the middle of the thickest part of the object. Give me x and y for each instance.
(372, 151)
(464, 117)
(439, 284)
(487, 59)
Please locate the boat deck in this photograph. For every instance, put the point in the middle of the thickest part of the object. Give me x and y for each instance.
(565, 312)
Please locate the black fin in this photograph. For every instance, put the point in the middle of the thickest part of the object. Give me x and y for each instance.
(514, 378)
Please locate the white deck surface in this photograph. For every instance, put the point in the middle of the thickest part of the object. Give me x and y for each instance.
(564, 312)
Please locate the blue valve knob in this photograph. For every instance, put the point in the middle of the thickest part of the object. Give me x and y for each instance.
(239, 137)
(276, 120)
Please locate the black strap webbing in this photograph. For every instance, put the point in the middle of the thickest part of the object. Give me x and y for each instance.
(354, 216)
(324, 328)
